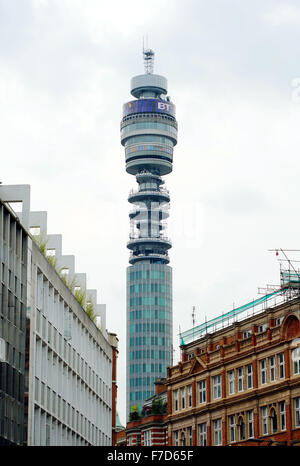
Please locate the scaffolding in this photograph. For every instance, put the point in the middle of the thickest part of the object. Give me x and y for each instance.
(289, 289)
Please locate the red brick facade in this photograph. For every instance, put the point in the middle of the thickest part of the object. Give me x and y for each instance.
(245, 388)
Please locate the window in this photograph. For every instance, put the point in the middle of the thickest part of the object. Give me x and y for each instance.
(272, 367)
(249, 376)
(281, 365)
(262, 328)
(189, 389)
(279, 320)
(182, 391)
(240, 379)
(296, 360)
(263, 372)
(2, 350)
(176, 400)
(231, 382)
(246, 334)
(250, 424)
(138, 440)
(202, 435)
(218, 432)
(202, 391)
(264, 420)
(297, 412)
(282, 415)
(176, 442)
(190, 436)
(242, 429)
(217, 387)
(232, 428)
(273, 418)
(191, 356)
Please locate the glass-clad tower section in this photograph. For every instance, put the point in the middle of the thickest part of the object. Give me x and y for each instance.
(148, 134)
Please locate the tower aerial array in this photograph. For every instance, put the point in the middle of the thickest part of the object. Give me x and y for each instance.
(148, 134)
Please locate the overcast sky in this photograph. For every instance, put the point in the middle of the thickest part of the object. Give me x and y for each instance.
(233, 70)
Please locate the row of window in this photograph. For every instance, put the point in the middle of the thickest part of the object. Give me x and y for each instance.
(62, 410)
(147, 354)
(142, 381)
(139, 395)
(147, 288)
(13, 234)
(147, 367)
(148, 125)
(238, 380)
(50, 431)
(149, 147)
(151, 327)
(13, 283)
(9, 354)
(149, 274)
(241, 426)
(149, 301)
(68, 354)
(150, 314)
(148, 138)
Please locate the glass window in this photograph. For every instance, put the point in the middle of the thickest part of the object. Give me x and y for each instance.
(272, 367)
(189, 388)
(217, 432)
(281, 365)
(202, 391)
(297, 412)
(264, 419)
(231, 382)
(296, 360)
(263, 371)
(176, 400)
(249, 376)
(240, 379)
(273, 419)
(250, 419)
(282, 415)
(202, 435)
(190, 436)
(232, 428)
(217, 392)
(242, 430)
(176, 438)
(182, 391)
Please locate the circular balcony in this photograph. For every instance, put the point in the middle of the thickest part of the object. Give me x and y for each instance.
(151, 256)
(159, 196)
(149, 242)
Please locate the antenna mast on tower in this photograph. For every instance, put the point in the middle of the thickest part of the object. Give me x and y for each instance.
(148, 55)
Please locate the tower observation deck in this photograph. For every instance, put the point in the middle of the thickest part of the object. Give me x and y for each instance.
(148, 134)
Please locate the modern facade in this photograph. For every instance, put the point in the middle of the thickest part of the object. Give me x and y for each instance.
(240, 384)
(148, 134)
(70, 358)
(13, 262)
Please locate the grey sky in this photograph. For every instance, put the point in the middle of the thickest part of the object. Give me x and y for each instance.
(65, 68)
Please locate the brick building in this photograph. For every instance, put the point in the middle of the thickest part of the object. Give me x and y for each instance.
(240, 384)
(149, 427)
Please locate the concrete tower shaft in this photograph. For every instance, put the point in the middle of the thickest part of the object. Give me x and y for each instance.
(148, 134)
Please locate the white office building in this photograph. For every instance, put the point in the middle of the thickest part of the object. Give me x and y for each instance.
(69, 356)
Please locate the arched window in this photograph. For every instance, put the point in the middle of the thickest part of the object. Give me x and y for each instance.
(273, 417)
(242, 429)
(291, 328)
